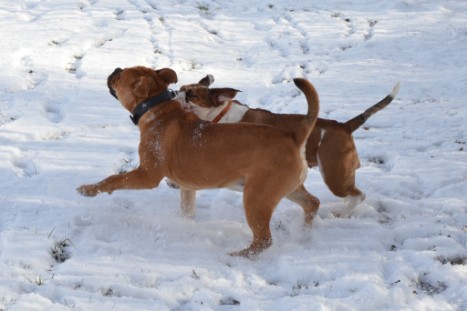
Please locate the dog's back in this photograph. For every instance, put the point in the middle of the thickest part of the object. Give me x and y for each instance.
(211, 103)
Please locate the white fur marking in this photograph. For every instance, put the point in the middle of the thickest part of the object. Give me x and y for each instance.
(234, 114)
(181, 98)
(352, 202)
(304, 163)
(323, 132)
(395, 89)
(211, 79)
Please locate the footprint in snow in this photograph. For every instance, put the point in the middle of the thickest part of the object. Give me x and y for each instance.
(370, 31)
(119, 14)
(6, 118)
(380, 162)
(33, 78)
(24, 167)
(348, 23)
(53, 111)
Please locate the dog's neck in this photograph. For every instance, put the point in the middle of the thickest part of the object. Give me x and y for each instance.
(144, 107)
(234, 114)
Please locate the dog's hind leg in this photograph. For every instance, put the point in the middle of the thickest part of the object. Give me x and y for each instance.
(258, 216)
(308, 202)
(188, 198)
(259, 202)
(355, 198)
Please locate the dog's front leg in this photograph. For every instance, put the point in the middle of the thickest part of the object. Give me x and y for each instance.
(139, 178)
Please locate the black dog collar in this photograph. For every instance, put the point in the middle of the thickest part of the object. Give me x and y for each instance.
(151, 102)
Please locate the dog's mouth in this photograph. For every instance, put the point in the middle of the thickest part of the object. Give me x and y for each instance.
(181, 98)
(112, 92)
(110, 79)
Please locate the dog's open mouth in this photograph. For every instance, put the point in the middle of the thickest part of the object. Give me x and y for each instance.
(110, 79)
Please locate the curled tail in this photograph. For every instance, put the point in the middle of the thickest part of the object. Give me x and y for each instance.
(313, 109)
(358, 121)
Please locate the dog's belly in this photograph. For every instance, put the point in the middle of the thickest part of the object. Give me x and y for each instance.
(235, 185)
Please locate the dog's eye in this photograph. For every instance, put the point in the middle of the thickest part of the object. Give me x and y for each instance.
(190, 95)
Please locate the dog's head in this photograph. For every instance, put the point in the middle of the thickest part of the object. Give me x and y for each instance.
(206, 81)
(201, 95)
(133, 85)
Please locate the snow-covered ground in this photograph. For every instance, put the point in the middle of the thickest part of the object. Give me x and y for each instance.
(404, 248)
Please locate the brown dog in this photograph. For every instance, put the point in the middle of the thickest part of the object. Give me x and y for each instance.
(330, 144)
(268, 162)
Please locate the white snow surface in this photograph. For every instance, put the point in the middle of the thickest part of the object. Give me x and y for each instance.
(403, 248)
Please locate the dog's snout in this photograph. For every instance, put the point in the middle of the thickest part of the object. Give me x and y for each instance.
(113, 93)
(110, 79)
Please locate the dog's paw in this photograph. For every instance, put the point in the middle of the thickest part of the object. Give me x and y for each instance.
(246, 253)
(88, 190)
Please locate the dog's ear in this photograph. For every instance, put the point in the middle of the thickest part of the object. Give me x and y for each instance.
(142, 87)
(168, 75)
(206, 81)
(220, 95)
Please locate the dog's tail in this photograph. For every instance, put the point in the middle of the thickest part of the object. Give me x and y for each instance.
(313, 109)
(358, 121)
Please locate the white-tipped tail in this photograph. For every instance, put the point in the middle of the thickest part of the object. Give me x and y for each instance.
(395, 89)
(359, 120)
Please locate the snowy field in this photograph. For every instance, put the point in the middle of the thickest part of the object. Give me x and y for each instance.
(404, 248)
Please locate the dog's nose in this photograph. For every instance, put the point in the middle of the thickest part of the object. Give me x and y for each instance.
(109, 81)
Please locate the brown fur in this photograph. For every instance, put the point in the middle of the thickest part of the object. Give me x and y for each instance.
(198, 93)
(267, 161)
(331, 142)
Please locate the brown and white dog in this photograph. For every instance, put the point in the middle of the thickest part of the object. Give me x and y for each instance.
(329, 146)
(268, 162)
